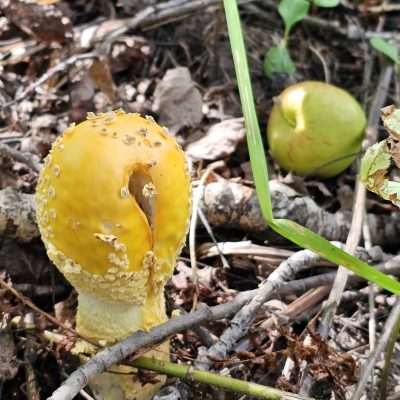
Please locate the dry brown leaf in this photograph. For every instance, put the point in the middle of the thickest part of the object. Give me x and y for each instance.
(220, 141)
(177, 100)
(100, 74)
(41, 19)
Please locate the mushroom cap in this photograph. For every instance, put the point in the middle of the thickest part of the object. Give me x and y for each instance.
(113, 205)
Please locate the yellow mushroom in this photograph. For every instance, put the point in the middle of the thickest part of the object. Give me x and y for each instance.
(113, 205)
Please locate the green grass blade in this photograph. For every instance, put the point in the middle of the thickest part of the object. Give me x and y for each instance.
(254, 142)
(307, 239)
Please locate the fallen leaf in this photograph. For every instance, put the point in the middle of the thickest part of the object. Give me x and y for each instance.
(100, 74)
(43, 20)
(177, 100)
(183, 277)
(220, 141)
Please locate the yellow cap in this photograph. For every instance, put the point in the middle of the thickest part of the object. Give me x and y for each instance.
(113, 205)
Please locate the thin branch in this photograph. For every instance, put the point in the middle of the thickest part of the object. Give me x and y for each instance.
(343, 273)
(198, 194)
(371, 296)
(26, 301)
(321, 58)
(206, 225)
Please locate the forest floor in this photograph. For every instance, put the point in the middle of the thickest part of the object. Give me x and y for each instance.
(177, 67)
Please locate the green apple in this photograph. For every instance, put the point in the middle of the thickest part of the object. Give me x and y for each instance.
(315, 129)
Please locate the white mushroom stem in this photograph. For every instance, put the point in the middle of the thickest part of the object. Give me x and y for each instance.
(108, 322)
(102, 320)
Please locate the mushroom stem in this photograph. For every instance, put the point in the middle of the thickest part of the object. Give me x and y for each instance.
(107, 322)
(102, 320)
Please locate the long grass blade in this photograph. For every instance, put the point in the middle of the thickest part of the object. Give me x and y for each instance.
(254, 142)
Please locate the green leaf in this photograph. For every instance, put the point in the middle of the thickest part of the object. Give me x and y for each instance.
(386, 48)
(326, 3)
(391, 121)
(278, 61)
(292, 11)
(377, 158)
(393, 189)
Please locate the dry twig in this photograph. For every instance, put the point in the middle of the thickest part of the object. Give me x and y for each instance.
(193, 224)
(233, 205)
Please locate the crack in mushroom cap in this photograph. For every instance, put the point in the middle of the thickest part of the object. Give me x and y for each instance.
(113, 205)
